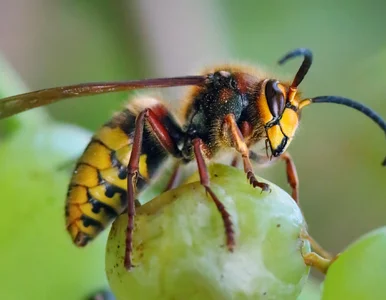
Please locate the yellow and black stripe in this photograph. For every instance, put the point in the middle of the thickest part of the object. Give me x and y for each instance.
(97, 191)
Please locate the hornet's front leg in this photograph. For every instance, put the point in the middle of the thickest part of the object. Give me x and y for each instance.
(232, 131)
(321, 259)
(292, 175)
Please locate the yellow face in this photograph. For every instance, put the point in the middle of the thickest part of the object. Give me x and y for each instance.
(278, 109)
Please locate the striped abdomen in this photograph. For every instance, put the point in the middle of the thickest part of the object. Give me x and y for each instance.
(97, 192)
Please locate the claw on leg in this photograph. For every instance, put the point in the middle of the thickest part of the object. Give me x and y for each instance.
(234, 134)
(254, 182)
(229, 232)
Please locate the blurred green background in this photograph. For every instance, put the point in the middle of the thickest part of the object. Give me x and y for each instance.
(338, 152)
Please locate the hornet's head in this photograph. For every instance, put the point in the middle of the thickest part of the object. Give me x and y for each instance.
(279, 114)
(279, 105)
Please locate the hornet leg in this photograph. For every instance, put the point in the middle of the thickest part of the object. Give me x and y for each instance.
(234, 134)
(166, 141)
(292, 175)
(175, 177)
(293, 180)
(204, 178)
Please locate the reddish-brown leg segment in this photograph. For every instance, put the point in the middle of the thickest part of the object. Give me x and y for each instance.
(174, 178)
(166, 141)
(235, 161)
(239, 144)
(293, 181)
(204, 178)
(292, 175)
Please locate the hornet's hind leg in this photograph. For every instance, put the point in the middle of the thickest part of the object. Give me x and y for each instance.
(161, 133)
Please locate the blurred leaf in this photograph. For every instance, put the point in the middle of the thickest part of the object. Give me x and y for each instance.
(11, 84)
(110, 50)
(39, 260)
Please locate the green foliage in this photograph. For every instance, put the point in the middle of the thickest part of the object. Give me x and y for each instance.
(38, 259)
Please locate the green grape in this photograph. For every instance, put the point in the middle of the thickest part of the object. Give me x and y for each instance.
(38, 259)
(360, 271)
(179, 249)
(311, 290)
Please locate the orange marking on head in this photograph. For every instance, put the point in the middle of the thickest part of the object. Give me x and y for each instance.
(262, 105)
(275, 136)
(289, 122)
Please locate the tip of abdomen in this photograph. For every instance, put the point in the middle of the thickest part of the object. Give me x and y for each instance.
(79, 238)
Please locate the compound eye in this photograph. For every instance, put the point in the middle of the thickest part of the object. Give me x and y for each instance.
(275, 98)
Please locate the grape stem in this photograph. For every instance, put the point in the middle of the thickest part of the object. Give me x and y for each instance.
(318, 248)
(313, 259)
(320, 258)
